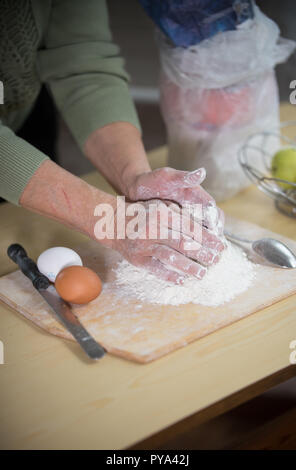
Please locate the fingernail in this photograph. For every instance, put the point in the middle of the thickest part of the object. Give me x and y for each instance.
(196, 176)
(211, 257)
(201, 272)
(219, 246)
(214, 246)
(181, 280)
(215, 259)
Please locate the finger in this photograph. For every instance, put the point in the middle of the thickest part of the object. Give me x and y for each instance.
(179, 188)
(209, 241)
(194, 178)
(218, 228)
(197, 198)
(169, 180)
(206, 257)
(179, 262)
(184, 179)
(154, 266)
(192, 249)
(210, 215)
(196, 195)
(184, 187)
(174, 185)
(221, 223)
(208, 253)
(191, 233)
(183, 220)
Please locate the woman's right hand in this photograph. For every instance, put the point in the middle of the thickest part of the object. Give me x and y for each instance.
(171, 258)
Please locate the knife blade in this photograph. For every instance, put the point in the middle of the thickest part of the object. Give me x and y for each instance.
(60, 307)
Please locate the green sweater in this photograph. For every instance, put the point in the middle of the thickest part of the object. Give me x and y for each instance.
(66, 44)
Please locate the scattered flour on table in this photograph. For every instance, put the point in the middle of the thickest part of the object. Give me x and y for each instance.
(231, 276)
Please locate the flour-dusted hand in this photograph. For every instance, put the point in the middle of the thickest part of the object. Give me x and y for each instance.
(182, 187)
(170, 252)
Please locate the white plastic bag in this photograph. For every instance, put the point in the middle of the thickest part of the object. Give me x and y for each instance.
(214, 95)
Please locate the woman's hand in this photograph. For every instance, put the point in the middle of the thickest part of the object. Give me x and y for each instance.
(118, 152)
(181, 187)
(173, 257)
(56, 193)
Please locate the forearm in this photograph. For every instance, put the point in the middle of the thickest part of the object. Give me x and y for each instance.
(118, 153)
(56, 193)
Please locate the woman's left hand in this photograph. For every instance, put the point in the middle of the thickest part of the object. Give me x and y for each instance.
(181, 187)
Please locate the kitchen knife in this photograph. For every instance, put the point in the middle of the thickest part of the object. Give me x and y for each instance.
(61, 308)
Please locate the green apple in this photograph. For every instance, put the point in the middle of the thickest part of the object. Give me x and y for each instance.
(284, 166)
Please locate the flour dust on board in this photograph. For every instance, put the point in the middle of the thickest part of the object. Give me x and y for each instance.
(231, 276)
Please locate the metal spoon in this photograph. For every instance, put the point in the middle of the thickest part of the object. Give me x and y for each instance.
(270, 249)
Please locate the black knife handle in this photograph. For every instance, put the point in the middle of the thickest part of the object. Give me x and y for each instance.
(17, 254)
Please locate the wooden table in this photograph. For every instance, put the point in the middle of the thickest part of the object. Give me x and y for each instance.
(53, 398)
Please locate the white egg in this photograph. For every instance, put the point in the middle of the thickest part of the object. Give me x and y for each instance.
(53, 260)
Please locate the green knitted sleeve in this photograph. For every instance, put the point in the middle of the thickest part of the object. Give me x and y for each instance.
(83, 68)
(18, 162)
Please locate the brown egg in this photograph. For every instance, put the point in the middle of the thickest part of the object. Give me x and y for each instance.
(78, 284)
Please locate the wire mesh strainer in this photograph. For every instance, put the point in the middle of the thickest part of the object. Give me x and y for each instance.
(255, 158)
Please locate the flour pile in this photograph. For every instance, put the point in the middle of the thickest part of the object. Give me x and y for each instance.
(231, 276)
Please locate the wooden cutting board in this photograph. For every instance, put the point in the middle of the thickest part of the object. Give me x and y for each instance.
(144, 332)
